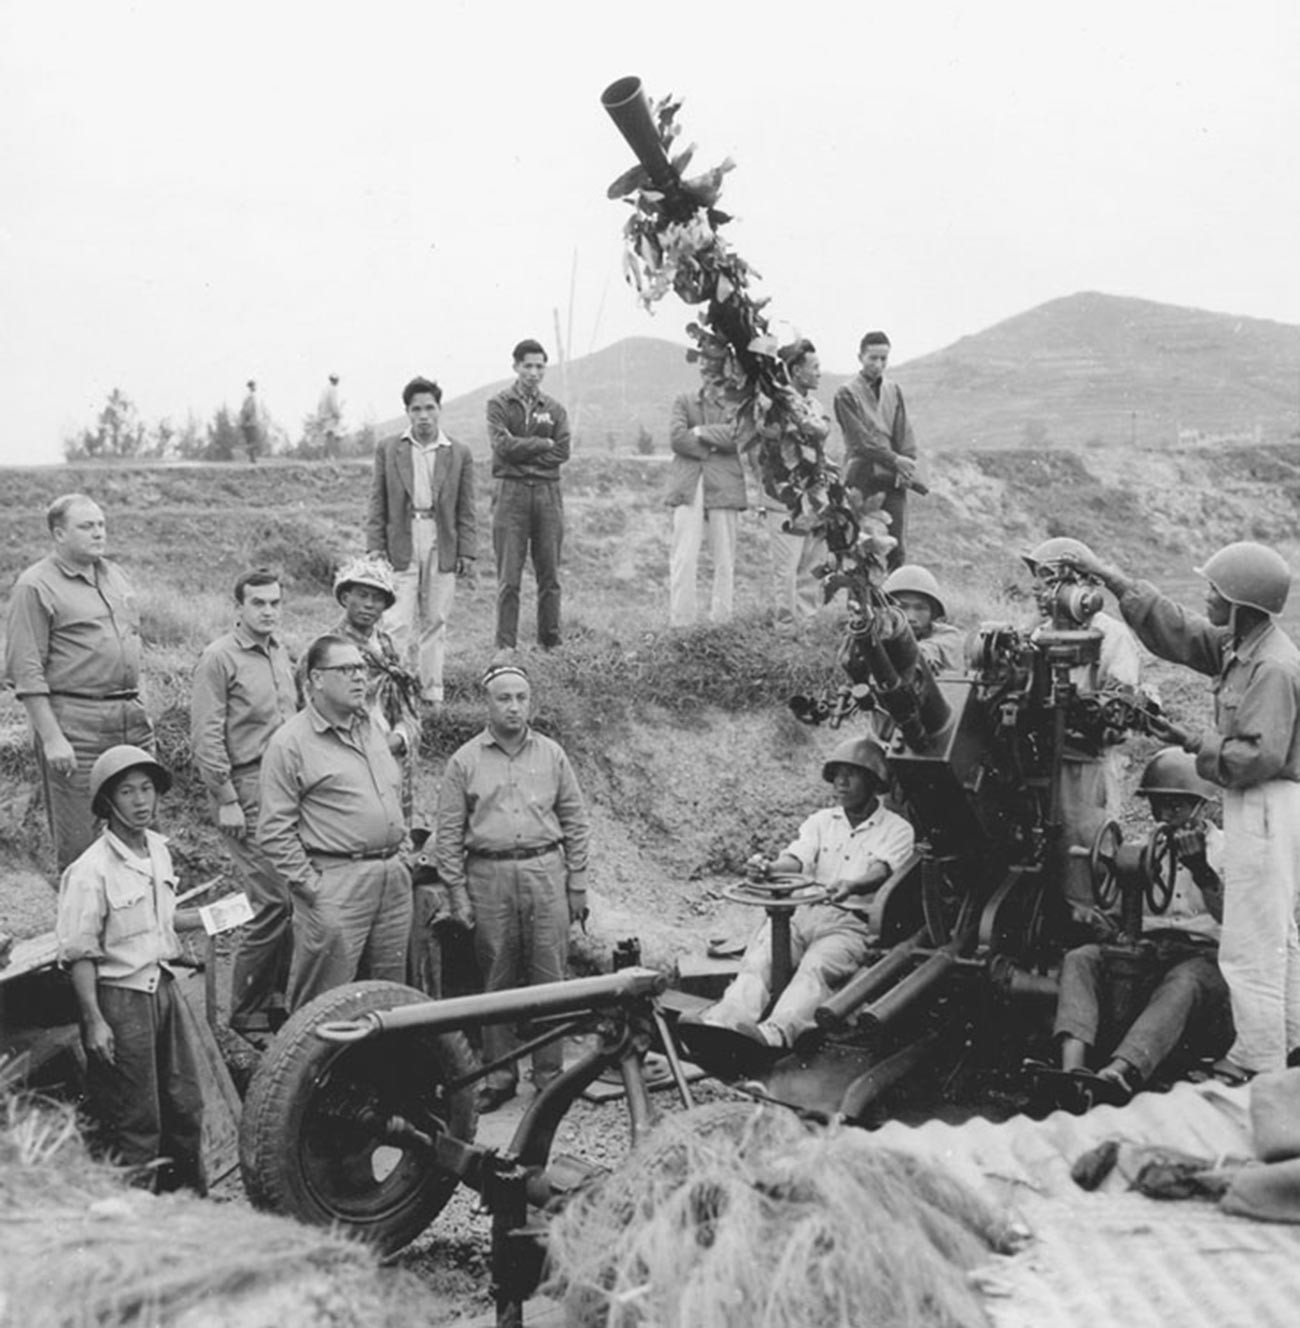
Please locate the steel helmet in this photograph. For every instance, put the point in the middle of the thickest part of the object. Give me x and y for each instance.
(1251, 575)
(371, 570)
(1053, 550)
(117, 761)
(865, 753)
(917, 580)
(1173, 771)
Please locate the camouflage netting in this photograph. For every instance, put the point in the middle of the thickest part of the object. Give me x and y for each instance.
(79, 1247)
(739, 1215)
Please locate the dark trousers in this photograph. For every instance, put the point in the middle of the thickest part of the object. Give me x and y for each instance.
(528, 514)
(92, 727)
(1180, 999)
(259, 979)
(147, 1104)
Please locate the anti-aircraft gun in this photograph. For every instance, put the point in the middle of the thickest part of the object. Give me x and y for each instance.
(970, 934)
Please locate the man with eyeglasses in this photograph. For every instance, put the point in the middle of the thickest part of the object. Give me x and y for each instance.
(331, 822)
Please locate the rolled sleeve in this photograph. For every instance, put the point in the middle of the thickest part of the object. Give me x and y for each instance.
(27, 641)
(79, 928)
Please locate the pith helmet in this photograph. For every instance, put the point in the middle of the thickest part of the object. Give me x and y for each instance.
(1251, 575)
(370, 571)
(917, 580)
(1173, 771)
(117, 761)
(865, 753)
(1053, 550)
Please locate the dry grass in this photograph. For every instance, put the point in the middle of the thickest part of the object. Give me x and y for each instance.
(734, 1216)
(82, 1248)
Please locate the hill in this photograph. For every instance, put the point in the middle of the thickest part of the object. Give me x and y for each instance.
(1085, 370)
(1093, 369)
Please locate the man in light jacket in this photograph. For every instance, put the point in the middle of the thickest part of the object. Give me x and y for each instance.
(706, 491)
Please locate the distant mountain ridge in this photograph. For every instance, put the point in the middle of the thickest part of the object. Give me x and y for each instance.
(1083, 370)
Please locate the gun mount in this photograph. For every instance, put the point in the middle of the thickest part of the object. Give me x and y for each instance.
(970, 934)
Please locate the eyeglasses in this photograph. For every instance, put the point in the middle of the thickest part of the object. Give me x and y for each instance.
(347, 670)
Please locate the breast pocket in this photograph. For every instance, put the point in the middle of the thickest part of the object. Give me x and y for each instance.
(129, 911)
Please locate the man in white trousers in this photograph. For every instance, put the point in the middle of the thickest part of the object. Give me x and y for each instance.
(1254, 756)
(706, 491)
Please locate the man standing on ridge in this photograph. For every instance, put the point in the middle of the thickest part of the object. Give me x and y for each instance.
(529, 432)
(243, 691)
(879, 445)
(421, 519)
(72, 654)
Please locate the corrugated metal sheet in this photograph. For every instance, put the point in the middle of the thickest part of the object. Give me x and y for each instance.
(1114, 1258)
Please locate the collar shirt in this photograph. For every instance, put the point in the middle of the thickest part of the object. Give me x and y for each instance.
(243, 690)
(73, 630)
(1187, 909)
(830, 849)
(327, 789)
(492, 801)
(423, 459)
(1256, 687)
(118, 910)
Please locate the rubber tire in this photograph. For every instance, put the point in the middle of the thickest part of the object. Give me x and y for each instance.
(284, 1168)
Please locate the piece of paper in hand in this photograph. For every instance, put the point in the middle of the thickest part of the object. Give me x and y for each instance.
(232, 911)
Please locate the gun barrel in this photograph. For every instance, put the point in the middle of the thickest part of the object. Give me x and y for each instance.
(626, 103)
(909, 992)
(494, 1007)
(858, 990)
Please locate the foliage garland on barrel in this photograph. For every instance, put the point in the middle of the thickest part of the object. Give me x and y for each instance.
(674, 241)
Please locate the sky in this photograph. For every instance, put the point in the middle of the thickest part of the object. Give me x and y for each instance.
(193, 196)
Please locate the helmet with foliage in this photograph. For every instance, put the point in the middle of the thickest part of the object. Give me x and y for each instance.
(1251, 575)
(865, 753)
(1172, 771)
(117, 761)
(1051, 551)
(368, 570)
(914, 579)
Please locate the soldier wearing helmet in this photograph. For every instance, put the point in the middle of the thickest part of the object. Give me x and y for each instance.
(243, 690)
(365, 589)
(853, 848)
(1253, 754)
(1181, 1000)
(916, 591)
(117, 933)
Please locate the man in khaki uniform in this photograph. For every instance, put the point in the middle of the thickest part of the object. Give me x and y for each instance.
(243, 691)
(72, 655)
(331, 822)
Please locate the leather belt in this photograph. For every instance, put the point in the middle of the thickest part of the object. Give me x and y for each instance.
(369, 855)
(423, 513)
(128, 695)
(512, 854)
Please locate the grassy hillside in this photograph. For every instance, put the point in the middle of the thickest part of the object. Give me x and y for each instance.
(1086, 370)
(681, 737)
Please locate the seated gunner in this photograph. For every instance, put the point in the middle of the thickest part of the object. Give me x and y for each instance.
(1181, 997)
(854, 848)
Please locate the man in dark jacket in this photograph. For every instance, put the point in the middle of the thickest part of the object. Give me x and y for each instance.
(529, 432)
(422, 520)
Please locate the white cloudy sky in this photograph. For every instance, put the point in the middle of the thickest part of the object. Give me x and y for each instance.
(193, 195)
